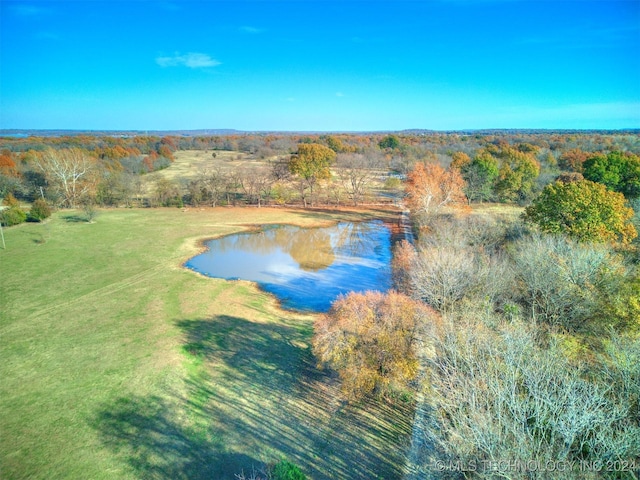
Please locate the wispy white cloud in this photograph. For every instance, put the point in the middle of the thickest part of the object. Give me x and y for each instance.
(251, 30)
(190, 60)
(339, 94)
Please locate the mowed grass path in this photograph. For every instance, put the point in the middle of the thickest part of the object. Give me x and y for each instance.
(115, 362)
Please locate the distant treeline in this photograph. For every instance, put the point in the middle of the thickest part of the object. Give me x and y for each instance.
(504, 166)
(408, 143)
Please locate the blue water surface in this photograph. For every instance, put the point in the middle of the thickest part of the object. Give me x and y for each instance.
(305, 268)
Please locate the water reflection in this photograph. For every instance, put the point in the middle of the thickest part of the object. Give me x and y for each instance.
(306, 268)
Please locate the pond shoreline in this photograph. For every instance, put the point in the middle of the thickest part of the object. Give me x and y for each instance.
(305, 267)
(391, 216)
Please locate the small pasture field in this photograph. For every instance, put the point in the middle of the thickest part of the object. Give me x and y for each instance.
(117, 363)
(188, 164)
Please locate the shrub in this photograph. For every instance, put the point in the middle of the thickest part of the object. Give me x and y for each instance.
(10, 184)
(281, 194)
(404, 257)
(284, 470)
(12, 216)
(392, 183)
(90, 211)
(39, 211)
(10, 201)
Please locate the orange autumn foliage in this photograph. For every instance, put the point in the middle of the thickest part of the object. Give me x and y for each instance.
(460, 160)
(369, 339)
(431, 187)
(404, 258)
(7, 164)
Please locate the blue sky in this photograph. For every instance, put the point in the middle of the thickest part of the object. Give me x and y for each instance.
(319, 65)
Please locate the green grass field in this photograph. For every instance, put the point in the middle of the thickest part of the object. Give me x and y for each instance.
(115, 362)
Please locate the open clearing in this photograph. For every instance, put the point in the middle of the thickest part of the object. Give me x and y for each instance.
(118, 363)
(188, 164)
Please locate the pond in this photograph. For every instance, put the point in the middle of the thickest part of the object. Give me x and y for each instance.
(305, 268)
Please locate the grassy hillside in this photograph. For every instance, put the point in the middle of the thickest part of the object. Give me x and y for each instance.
(117, 363)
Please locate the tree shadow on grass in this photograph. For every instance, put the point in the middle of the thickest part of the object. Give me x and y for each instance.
(73, 218)
(267, 351)
(145, 431)
(38, 238)
(266, 398)
(254, 396)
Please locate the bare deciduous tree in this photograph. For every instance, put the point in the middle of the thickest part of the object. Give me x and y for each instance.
(70, 171)
(280, 169)
(214, 182)
(502, 400)
(356, 171)
(560, 278)
(256, 184)
(232, 184)
(458, 259)
(441, 276)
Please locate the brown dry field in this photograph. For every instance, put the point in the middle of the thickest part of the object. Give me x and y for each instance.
(188, 164)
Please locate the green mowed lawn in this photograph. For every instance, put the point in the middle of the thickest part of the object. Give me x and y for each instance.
(115, 362)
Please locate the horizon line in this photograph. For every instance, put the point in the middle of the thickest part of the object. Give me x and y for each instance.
(232, 131)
